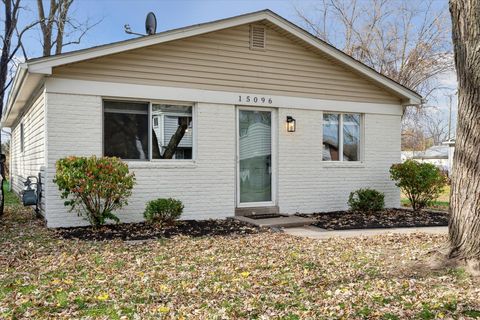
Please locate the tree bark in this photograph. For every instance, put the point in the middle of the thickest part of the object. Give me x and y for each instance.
(46, 23)
(11, 9)
(63, 6)
(464, 226)
(175, 139)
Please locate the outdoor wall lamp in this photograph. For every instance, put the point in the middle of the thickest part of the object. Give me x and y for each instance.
(290, 124)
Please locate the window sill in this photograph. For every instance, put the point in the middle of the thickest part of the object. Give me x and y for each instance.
(343, 164)
(179, 164)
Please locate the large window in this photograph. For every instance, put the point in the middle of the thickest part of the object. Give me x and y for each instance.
(341, 137)
(127, 134)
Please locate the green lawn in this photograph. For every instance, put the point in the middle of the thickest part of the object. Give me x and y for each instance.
(269, 275)
(10, 198)
(442, 202)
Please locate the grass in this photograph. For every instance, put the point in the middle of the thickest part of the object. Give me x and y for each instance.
(11, 199)
(442, 202)
(265, 276)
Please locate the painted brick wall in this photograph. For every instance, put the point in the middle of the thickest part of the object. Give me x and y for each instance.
(306, 184)
(206, 187)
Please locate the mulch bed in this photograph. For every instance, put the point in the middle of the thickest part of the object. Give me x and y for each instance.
(146, 231)
(388, 218)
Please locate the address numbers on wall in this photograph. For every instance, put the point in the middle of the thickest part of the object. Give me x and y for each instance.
(255, 100)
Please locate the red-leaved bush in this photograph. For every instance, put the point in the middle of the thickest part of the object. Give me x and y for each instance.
(94, 187)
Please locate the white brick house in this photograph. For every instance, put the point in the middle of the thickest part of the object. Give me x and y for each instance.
(229, 98)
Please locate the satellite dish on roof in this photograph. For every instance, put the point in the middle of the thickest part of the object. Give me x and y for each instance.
(151, 24)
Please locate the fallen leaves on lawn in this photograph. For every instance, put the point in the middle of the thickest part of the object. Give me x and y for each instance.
(265, 275)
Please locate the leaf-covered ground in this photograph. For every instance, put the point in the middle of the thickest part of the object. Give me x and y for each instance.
(266, 275)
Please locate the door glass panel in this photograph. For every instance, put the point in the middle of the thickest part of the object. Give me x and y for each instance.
(255, 152)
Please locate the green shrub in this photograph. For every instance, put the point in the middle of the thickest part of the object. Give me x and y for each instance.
(366, 200)
(94, 187)
(163, 210)
(422, 183)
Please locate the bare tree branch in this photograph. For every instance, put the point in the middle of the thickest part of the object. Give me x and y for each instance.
(407, 41)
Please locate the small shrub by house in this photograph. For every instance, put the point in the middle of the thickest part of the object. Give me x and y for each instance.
(94, 187)
(163, 210)
(366, 200)
(422, 183)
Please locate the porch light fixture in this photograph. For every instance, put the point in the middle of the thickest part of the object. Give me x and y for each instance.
(290, 124)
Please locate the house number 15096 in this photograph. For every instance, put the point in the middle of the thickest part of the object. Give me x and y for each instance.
(254, 99)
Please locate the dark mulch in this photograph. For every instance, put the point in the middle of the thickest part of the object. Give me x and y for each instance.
(388, 218)
(145, 231)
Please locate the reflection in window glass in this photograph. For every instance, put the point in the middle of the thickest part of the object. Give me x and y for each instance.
(126, 130)
(172, 134)
(330, 137)
(341, 137)
(351, 137)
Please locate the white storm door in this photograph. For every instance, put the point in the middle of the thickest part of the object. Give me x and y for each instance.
(255, 161)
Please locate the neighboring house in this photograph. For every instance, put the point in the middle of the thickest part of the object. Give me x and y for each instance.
(436, 155)
(405, 155)
(451, 150)
(200, 114)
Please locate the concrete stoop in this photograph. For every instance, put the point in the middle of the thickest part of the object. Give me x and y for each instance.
(283, 221)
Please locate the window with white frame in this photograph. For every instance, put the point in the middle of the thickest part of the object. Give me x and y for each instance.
(341, 137)
(127, 135)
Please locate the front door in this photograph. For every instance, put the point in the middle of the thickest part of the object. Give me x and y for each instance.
(255, 162)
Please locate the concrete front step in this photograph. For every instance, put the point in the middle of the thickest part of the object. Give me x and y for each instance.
(285, 221)
(247, 211)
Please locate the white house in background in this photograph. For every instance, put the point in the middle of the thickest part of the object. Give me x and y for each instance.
(451, 150)
(436, 155)
(200, 114)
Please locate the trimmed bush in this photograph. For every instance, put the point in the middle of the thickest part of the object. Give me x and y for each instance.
(422, 183)
(366, 200)
(94, 187)
(163, 210)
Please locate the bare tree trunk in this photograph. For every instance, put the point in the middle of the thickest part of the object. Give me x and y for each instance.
(464, 228)
(64, 6)
(10, 25)
(46, 24)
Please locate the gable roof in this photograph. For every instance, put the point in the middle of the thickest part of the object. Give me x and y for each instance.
(30, 74)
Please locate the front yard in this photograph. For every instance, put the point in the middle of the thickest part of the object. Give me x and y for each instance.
(265, 275)
(441, 203)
